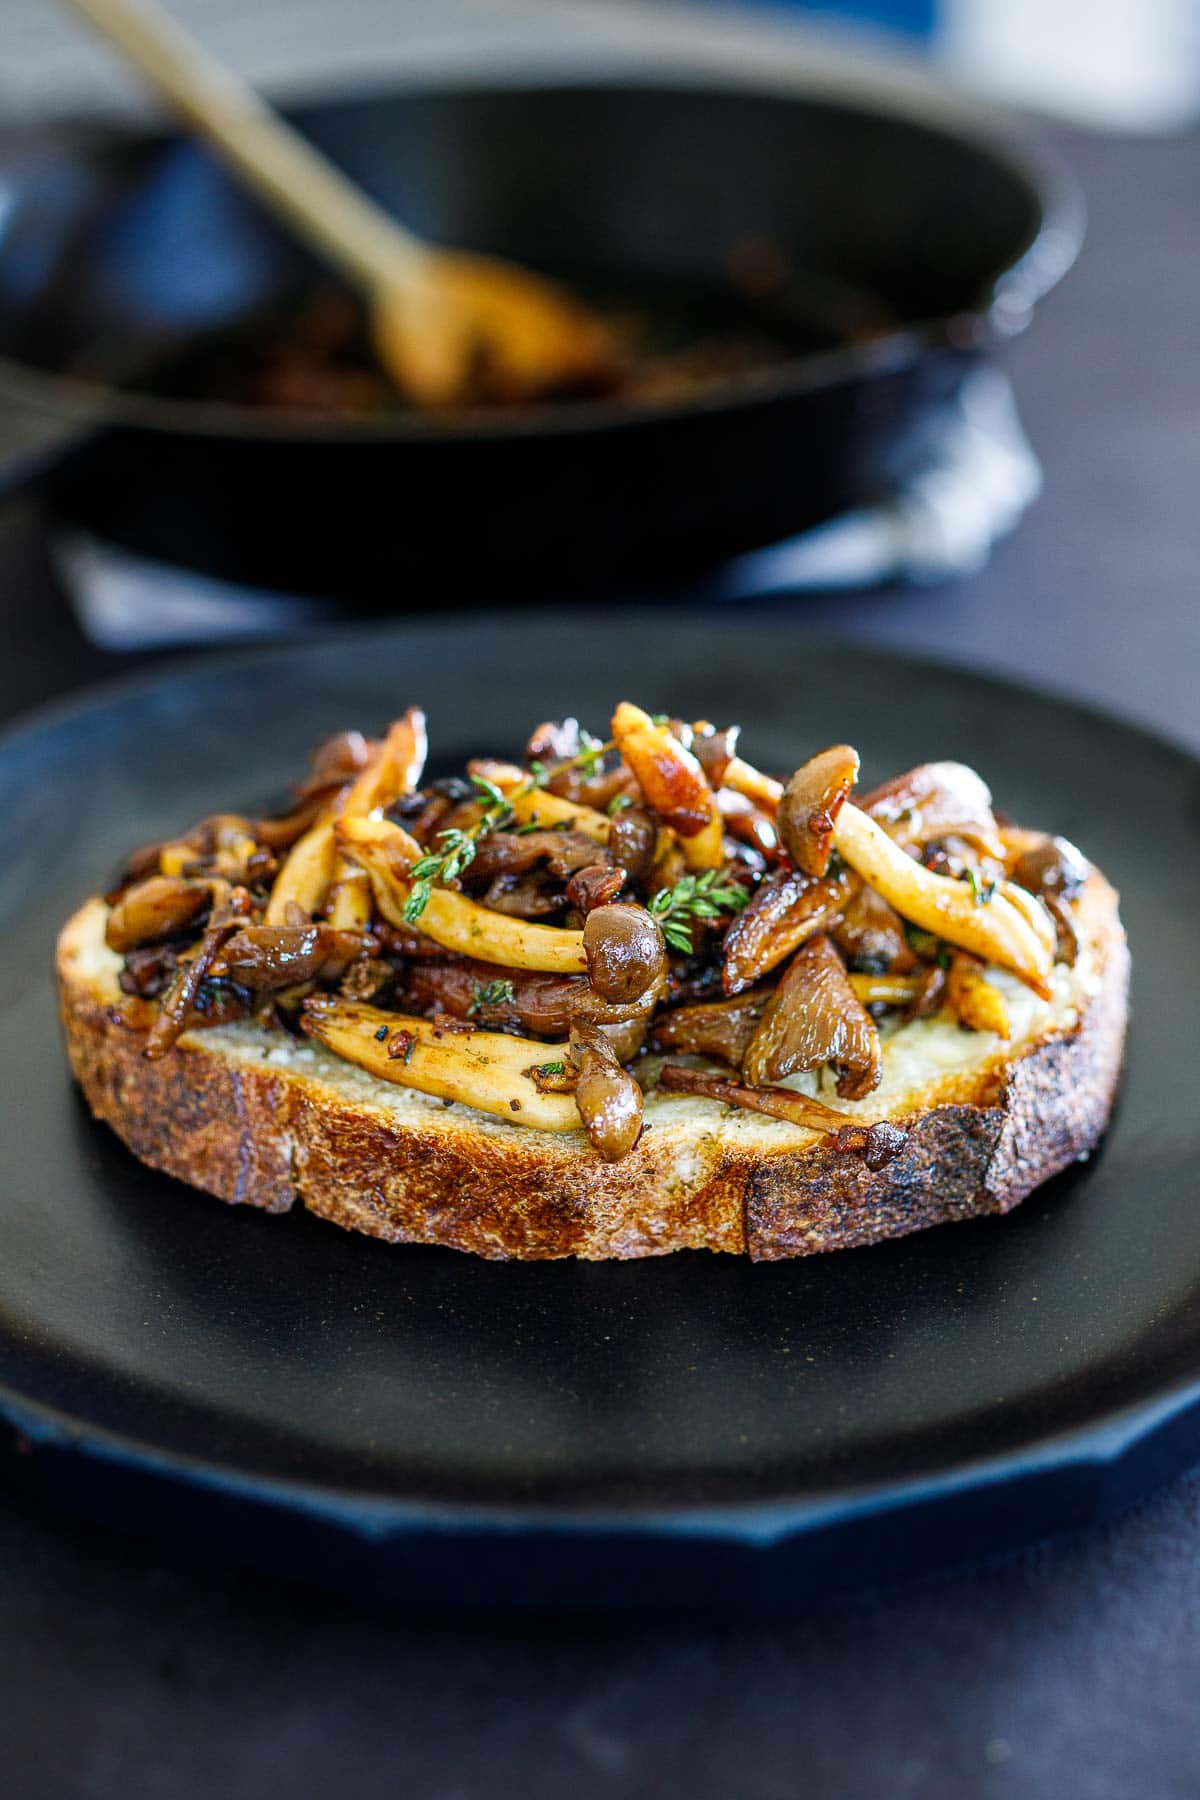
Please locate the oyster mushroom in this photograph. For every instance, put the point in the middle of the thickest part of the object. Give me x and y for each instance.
(720, 1028)
(787, 908)
(935, 800)
(815, 1017)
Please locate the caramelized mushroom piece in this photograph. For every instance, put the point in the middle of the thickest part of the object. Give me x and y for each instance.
(929, 996)
(625, 951)
(540, 1004)
(932, 801)
(976, 1004)
(669, 776)
(533, 896)
(811, 802)
(147, 970)
(178, 1008)
(1051, 866)
(608, 1098)
(555, 740)
(715, 750)
(632, 841)
(561, 853)
(787, 908)
(278, 956)
(158, 908)
(748, 823)
(815, 1017)
(594, 886)
(877, 1144)
(723, 1028)
(338, 760)
(597, 788)
(870, 935)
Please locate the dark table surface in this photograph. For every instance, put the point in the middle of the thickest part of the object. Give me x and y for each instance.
(1070, 1669)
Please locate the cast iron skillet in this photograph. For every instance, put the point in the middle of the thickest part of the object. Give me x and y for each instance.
(138, 243)
(426, 1427)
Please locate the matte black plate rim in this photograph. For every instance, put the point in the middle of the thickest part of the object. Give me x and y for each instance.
(1104, 1441)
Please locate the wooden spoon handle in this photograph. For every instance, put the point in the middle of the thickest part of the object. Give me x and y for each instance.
(293, 177)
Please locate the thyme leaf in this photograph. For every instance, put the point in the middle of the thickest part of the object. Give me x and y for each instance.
(704, 896)
(492, 993)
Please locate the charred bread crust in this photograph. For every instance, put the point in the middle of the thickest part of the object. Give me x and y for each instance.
(264, 1136)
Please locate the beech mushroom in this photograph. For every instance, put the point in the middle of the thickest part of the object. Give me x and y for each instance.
(153, 909)
(811, 802)
(877, 1144)
(388, 854)
(485, 1069)
(625, 952)
(998, 929)
(607, 1098)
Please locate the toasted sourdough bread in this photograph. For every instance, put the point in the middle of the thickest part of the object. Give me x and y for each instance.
(259, 1118)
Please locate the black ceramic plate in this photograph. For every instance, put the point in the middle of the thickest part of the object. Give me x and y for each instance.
(421, 1424)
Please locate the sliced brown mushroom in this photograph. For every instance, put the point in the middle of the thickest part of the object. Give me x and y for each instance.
(930, 994)
(1052, 865)
(561, 853)
(555, 740)
(596, 885)
(158, 908)
(814, 1017)
(787, 908)
(748, 823)
(722, 1028)
(279, 956)
(812, 800)
(542, 1005)
(715, 750)
(334, 763)
(632, 841)
(870, 935)
(178, 1007)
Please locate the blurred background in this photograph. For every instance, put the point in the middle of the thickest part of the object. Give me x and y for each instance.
(1120, 64)
(884, 502)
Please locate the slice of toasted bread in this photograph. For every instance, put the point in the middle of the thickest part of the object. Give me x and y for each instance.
(258, 1117)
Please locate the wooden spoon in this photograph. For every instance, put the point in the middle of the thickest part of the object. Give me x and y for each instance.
(450, 328)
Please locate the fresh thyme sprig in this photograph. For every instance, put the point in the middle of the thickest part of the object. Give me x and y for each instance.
(457, 848)
(704, 896)
(440, 867)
